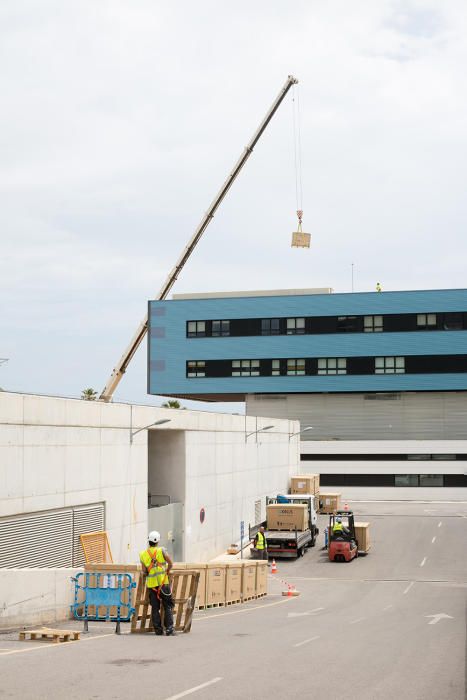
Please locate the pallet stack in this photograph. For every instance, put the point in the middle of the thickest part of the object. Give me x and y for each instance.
(184, 586)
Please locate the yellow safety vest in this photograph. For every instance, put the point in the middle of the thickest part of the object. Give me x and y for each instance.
(260, 542)
(154, 561)
(337, 527)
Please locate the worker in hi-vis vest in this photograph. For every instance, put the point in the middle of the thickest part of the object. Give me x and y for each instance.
(157, 565)
(261, 544)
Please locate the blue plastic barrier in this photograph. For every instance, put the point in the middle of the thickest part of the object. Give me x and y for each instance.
(108, 591)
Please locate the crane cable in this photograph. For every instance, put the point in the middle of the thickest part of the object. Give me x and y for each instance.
(297, 137)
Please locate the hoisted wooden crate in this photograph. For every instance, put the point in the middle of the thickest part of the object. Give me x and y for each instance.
(96, 548)
(184, 585)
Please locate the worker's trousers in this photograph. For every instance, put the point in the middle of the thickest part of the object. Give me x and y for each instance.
(262, 554)
(156, 597)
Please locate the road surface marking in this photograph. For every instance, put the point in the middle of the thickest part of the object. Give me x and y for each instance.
(409, 587)
(422, 563)
(440, 523)
(438, 617)
(433, 540)
(359, 619)
(306, 641)
(238, 612)
(54, 645)
(194, 690)
(303, 614)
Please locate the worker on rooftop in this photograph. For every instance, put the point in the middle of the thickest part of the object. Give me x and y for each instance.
(157, 564)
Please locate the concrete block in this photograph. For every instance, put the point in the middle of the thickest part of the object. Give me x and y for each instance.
(11, 435)
(44, 410)
(83, 413)
(83, 436)
(11, 472)
(42, 435)
(115, 415)
(82, 468)
(115, 465)
(83, 498)
(11, 407)
(31, 504)
(11, 506)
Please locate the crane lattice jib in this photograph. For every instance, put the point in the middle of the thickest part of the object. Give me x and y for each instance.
(125, 359)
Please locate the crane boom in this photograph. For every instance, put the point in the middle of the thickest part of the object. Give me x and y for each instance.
(125, 359)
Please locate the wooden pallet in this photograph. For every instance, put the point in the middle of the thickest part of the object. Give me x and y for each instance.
(56, 636)
(233, 602)
(184, 588)
(250, 597)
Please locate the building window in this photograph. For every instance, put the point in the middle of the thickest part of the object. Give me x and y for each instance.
(270, 326)
(372, 324)
(295, 326)
(431, 480)
(220, 329)
(275, 368)
(426, 320)
(389, 365)
(196, 329)
(295, 367)
(332, 365)
(245, 368)
(453, 322)
(405, 479)
(196, 368)
(347, 323)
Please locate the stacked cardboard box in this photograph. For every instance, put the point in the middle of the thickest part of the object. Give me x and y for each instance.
(233, 583)
(215, 584)
(329, 502)
(261, 578)
(287, 516)
(305, 483)
(362, 533)
(249, 580)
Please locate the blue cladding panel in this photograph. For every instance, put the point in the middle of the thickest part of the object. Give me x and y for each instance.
(175, 348)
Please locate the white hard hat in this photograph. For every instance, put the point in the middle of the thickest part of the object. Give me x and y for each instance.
(154, 536)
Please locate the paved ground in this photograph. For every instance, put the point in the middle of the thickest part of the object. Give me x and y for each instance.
(369, 629)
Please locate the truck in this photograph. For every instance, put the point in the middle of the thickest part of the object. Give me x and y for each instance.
(289, 543)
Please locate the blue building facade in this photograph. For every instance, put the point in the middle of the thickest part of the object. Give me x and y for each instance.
(229, 346)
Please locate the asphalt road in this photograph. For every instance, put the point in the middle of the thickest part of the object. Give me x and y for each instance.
(388, 625)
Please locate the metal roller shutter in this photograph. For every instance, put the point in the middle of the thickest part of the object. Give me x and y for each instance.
(85, 519)
(47, 539)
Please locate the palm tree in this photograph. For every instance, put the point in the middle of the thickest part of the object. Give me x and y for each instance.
(172, 403)
(89, 394)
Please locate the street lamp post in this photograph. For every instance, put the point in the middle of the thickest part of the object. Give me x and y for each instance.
(299, 432)
(255, 432)
(157, 422)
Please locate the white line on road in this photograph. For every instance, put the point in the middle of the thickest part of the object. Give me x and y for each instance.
(53, 645)
(440, 523)
(433, 540)
(305, 641)
(409, 587)
(422, 563)
(194, 690)
(359, 619)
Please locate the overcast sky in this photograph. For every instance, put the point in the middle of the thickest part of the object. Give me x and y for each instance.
(120, 120)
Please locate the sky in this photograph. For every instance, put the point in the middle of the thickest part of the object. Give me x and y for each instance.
(121, 119)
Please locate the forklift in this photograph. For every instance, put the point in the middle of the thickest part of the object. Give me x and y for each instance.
(343, 545)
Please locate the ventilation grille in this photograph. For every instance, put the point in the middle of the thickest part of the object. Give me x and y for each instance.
(47, 539)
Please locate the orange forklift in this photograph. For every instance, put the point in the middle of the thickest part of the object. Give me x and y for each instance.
(343, 545)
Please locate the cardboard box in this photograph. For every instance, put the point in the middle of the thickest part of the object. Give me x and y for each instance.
(261, 578)
(201, 594)
(305, 483)
(233, 583)
(362, 533)
(249, 580)
(215, 584)
(329, 502)
(287, 516)
(233, 549)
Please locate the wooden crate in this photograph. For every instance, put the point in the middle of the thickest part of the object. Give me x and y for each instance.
(184, 585)
(233, 583)
(249, 580)
(128, 597)
(215, 585)
(96, 548)
(261, 578)
(200, 603)
(329, 502)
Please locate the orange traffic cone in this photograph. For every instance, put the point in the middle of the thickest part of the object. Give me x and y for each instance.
(273, 567)
(291, 591)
